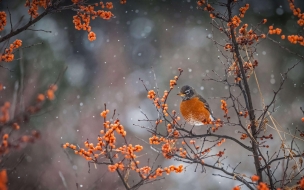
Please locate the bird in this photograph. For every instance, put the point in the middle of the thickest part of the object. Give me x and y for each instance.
(193, 107)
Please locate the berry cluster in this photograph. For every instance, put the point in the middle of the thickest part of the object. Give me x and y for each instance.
(8, 56)
(2, 20)
(86, 13)
(243, 10)
(224, 107)
(121, 158)
(34, 6)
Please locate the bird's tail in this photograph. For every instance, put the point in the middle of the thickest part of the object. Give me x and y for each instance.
(211, 117)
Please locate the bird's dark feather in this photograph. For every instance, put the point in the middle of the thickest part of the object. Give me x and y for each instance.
(206, 104)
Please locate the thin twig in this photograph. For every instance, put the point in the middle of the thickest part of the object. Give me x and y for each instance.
(10, 17)
(39, 30)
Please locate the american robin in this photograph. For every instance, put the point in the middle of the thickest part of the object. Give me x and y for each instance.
(194, 107)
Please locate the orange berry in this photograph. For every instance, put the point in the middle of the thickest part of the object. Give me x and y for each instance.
(255, 178)
(109, 5)
(278, 31)
(4, 143)
(53, 87)
(5, 137)
(40, 98)
(92, 36)
(16, 126)
(50, 94)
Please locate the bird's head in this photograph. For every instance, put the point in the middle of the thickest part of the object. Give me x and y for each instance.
(186, 92)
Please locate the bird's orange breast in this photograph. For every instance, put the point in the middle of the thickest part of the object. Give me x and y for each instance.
(194, 111)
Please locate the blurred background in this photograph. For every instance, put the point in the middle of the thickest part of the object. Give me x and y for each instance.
(144, 37)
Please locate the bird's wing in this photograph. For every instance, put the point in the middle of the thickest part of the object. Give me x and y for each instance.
(206, 106)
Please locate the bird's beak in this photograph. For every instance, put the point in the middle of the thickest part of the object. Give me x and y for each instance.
(181, 94)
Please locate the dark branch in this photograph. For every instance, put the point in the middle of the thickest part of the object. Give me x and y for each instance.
(191, 135)
(19, 30)
(248, 95)
(234, 175)
(277, 159)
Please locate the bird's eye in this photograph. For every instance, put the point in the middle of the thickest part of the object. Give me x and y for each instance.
(187, 92)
